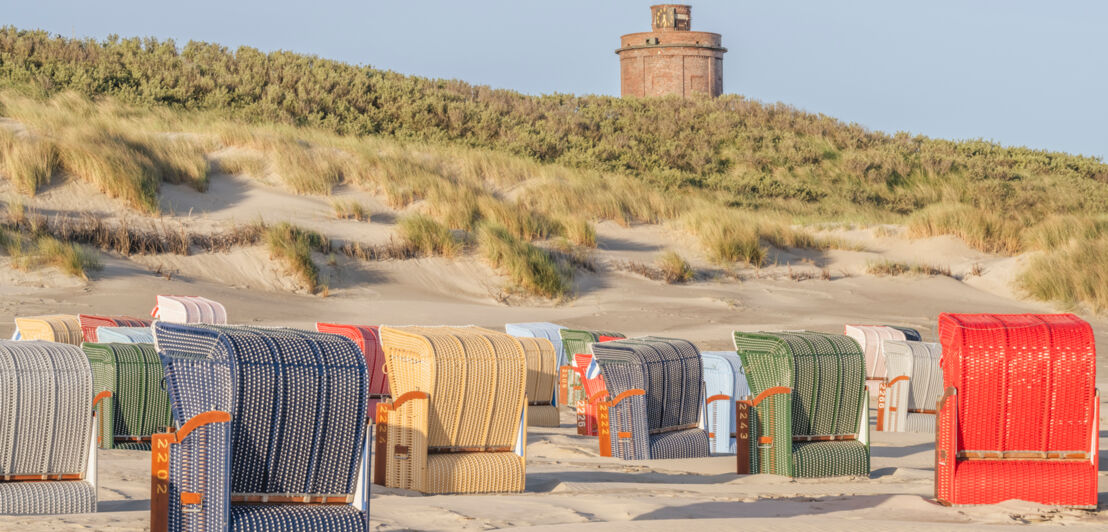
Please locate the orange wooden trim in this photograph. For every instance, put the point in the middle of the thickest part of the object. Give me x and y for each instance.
(714, 398)
(291, 499)
(380, 451)
(100, 397)
(770, 391)
(188, 497)
(629, 393)
(922, 411)
(624, 435)
(199, 420)
(896, 380)
(159, 480)
(410, 396)
(604, 429)
(1076, 456)
(765, 440)
(827, 437)
(598, 395)
(55, 476)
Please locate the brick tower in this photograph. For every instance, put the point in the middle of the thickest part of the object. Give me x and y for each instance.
(671, 59)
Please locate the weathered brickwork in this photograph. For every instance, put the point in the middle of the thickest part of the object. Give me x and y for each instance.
(671, 59)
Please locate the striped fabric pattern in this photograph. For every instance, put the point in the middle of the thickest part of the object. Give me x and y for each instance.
(61, 328)
(826, 373)
(542, 379)
(540, 329)
(663, 422)
(919, 361)
(125, 335)
(90, 324)
(45, 427)
(723, 375)
(575, 341)
(368, 339)
(463, 440)
(872, 339)
(139, 406)
(298, 403)
(189, 309)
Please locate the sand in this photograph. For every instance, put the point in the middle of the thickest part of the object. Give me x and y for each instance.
(568, 485)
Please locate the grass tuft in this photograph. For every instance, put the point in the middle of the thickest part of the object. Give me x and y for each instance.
(532, 269)
(428, 236)
(294, 245)
(891, 268)
(28, 163)
(350, 210)
(674, 268)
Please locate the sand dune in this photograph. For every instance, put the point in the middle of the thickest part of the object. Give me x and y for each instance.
(568, 485)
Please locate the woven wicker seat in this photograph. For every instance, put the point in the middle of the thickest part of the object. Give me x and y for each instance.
(571, 392)
(724, 383)
(656, 397)
(90, 324)
(1019, 418)
(369, 341)
(909, 400)
(543, 417)
(189, 309)
(872, 339)
(809, 415)
(61, 328)
(542, 379)
(138, 406)
(273, 431)
(125, 335)
(47, 445)
(457, 421)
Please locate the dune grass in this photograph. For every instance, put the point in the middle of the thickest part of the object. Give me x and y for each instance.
(293, 246)
(892, 268)
(28, 163)
(674, 268)
(31, 252)
(1072, 273)
(531, 269)
(429, 237)
(350, 210)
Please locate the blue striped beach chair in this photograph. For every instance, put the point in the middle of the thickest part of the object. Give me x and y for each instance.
(656, 394)
(125, 335)
(47, 441)
(724, 383)
(272, 431)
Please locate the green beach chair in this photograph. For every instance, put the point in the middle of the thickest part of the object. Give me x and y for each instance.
(139, 405)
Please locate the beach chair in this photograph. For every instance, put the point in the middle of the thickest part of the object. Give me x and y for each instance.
(273, 431)
(457, 419)
(724, 383)
(1019, 417)
(542, 329)
(655, 398)
(595, 392)
(47, 441)
(90, 324)
(60, 328)
(189, 309)
(810, 413)
(909, 400)
(369, 341)
(571, 391)
(542, 379)
(872, 339)
(138, 406)
(125, 335)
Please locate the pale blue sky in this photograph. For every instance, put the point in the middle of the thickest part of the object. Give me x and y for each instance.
(1031, 73)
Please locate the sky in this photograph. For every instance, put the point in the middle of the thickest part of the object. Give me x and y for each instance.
(1022, 73)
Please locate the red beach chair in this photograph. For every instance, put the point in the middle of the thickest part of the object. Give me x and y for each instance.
(368, 339)
(1019, 417)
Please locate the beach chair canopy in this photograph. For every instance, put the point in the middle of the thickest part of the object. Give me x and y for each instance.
(46, 402)
(90, 324)
(1020, 414)
(139, 405)
(913, 398)
(577, 341)
(125, 335)
(61, 328)
(540, 329)
(542, 379)
(456, 423)
(872, 340)
(663, 421)
(724, 383)
(295, 432)
(368, 339)
(810, 406)
(189, 309)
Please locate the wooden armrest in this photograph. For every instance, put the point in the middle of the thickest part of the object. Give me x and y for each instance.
(100, 397)
(896, 380)
(598, 396)
(714, 398)
(159, 467)
(380, 454)
(629, 393)
(776, 390)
